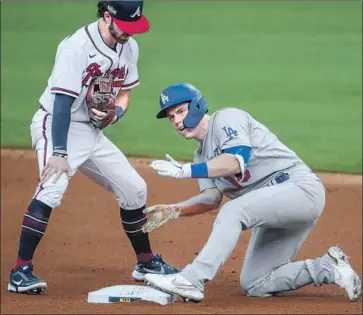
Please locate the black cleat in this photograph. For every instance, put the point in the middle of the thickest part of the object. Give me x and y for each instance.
(155, 265)
(22, 280)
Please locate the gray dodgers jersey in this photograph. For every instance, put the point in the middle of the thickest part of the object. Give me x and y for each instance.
(230, 127)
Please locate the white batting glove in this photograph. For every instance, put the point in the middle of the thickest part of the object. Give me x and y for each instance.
(172, 168)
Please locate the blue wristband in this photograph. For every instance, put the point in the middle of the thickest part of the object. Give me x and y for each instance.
(199, 170)
(119, 113)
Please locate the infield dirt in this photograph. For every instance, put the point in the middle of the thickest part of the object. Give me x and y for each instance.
(86, 249)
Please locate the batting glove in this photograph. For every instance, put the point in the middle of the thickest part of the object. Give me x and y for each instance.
(172, 168)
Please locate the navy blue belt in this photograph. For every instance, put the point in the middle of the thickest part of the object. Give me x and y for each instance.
(282, 177)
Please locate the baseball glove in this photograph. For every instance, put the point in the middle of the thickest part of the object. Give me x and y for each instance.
(100, 97)
(159, 215)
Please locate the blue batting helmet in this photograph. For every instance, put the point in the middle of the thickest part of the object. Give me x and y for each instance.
(180, 93)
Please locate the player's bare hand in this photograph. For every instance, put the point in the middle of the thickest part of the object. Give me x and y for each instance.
(158, 216)
(56, 165)
(102, 119)
(97, 114)
(171, 168)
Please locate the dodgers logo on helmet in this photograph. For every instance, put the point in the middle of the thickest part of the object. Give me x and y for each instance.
(181, 93)
(164, 98)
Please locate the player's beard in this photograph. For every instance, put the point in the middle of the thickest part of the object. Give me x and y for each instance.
(119, 39)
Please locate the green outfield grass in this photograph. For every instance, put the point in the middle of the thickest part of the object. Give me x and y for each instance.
(295, 66)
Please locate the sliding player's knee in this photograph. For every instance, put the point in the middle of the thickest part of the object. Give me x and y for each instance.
(246, 279)
(254, 286)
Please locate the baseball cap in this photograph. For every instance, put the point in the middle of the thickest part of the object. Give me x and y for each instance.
(127, 15)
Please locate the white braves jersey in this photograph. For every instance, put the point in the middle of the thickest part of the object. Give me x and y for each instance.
(82, 56)
(231, 127)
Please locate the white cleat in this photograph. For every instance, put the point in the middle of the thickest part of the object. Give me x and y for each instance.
(175, 284)
(345, 276)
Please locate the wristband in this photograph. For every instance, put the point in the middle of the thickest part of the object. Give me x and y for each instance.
(119, 113)
(199, 170)
(60, 154)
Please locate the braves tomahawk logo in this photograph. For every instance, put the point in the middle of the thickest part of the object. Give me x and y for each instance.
(136, 13)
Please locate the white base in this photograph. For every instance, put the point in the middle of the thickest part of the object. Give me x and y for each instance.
(129, 293)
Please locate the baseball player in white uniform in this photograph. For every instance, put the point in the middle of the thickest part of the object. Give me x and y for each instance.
(271, 191)
(67, 136)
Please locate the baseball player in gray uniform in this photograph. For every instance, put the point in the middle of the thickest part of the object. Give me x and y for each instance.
(271, 191)
(67, 135)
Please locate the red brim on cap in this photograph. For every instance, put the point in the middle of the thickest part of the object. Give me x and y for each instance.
(135, 27)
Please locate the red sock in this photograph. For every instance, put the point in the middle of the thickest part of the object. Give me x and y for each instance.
(144, 257)
(19, 262)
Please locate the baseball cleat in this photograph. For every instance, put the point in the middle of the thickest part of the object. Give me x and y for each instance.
(176, 285)
(344, 275)
(156, 265)
(22, 280)
(194, 301)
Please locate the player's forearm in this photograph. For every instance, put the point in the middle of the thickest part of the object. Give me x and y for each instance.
(232, 162)
(196, 209)
(220, 166)
(61, 120)
(123, 99)
(223, 165)
(204, 202)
